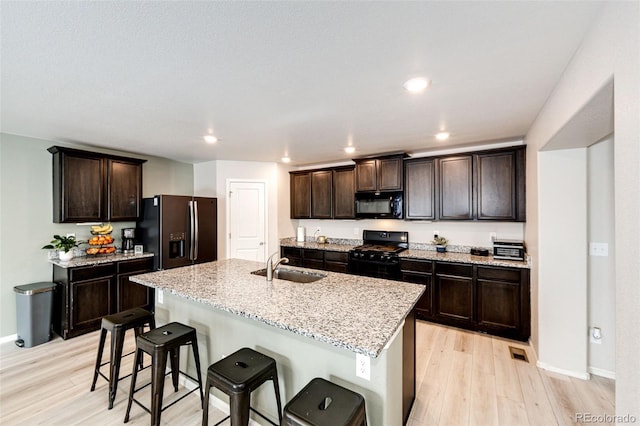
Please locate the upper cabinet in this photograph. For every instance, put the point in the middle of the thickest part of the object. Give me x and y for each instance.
(344, 185)
(323, 194)
(500, 185)
(484, 185)
(379, 174)
(420, 189)
(455, 184)
(92, 187)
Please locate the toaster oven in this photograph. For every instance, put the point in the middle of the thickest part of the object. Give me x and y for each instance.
(509, 249)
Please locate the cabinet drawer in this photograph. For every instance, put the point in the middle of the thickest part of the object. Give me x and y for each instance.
(456, 269)
(336, 267)
(336, 256)
(314, 254)
(313, 264)
(416, 265)
(138, 265)
(502, 274)
(291, 252)
(92, 272)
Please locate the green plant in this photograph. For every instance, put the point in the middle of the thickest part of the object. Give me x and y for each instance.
(439, 241)
(62, 243)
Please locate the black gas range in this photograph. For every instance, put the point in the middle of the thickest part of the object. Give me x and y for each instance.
(378, 256)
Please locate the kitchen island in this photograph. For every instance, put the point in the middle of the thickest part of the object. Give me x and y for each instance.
(312, 330)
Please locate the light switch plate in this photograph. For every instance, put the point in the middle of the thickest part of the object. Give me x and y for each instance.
(598, 249)
(160, 297)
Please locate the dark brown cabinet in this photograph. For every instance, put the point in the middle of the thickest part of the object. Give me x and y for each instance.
(420, 189)
(336, 261)
(124, 183)
(344, 187)
(455, 184)
(313, 259)
(420, 272)
(500, 184)
(490, 299)
(454, 292)
(379, 174)
(327, 260)
(87, 293)
(293, 254)
(323, 194)
(300, 183)
(92, 187)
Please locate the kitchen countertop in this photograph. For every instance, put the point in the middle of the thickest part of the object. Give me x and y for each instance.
(98, 259)
(360, 314)
(412, 253)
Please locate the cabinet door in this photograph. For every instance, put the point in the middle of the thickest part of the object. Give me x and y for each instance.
(90, 301)
(366, 176)
(77, 188)
(293, 254)
(133, 295)
(313, 258)
(300, 195)
(454, 298)
(336, 261)
(124, 182)
(389, 174)
(321, 194)
(419, 190)
(455, 179)
(498, 306)
(424, 306)
(496, 186)
(344, 193)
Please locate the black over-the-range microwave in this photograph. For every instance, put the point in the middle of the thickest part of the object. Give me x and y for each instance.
(379, 205)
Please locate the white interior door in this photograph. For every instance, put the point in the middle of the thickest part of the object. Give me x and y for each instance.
(247, 229)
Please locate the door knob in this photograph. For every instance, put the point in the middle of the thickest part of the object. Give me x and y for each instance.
(261, 243)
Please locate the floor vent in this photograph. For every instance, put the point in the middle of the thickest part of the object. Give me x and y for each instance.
(519, 354)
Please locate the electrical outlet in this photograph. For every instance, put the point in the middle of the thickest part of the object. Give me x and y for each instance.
(318, 229)
(71, 235)
(492, 236)
(160, 297)
(598, 249)
(595, 335)
(435, 234)
(363, 366)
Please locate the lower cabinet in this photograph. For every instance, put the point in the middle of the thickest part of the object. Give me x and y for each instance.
(326, 260)
(488, 299)
(87, 293)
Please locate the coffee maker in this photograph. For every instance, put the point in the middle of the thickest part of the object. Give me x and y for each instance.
(128, 240)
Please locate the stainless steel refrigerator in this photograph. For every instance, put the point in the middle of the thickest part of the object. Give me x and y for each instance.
(179, 230)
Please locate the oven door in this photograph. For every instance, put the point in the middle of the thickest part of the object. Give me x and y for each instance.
(389, 270)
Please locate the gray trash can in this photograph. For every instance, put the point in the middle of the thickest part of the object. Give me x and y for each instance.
(34, 305)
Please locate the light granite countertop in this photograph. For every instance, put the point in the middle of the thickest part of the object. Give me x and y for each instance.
(98, 259)
(459, 254)
(360, 314)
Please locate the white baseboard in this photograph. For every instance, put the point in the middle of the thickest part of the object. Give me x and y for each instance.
(571, 373)
(602, 373)
(11, 338)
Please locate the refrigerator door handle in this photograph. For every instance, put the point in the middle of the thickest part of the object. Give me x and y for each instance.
(195, 218)
(191, 230)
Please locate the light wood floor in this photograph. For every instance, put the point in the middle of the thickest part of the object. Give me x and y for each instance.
(462, 378)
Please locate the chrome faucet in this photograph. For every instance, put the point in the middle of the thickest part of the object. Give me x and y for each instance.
(271, 267)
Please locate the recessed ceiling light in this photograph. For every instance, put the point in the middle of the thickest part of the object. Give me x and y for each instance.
(350, 149)
(285, 159)
(442, 136)
(416, 85)
(210, 139)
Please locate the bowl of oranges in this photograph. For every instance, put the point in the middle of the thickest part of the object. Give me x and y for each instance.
(100, 244)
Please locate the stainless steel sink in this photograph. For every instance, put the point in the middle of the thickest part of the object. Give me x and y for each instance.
(291, 275)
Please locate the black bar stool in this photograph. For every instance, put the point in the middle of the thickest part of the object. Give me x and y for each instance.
(238, 375)
(323, 403)
(160, 343)
(118, 324)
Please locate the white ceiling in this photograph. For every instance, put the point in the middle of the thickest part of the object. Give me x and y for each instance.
(301, 78)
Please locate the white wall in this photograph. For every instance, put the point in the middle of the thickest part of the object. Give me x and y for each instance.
(601, 270)
(210, 179)
(26, 206)
(562, 204)
(611, 49)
